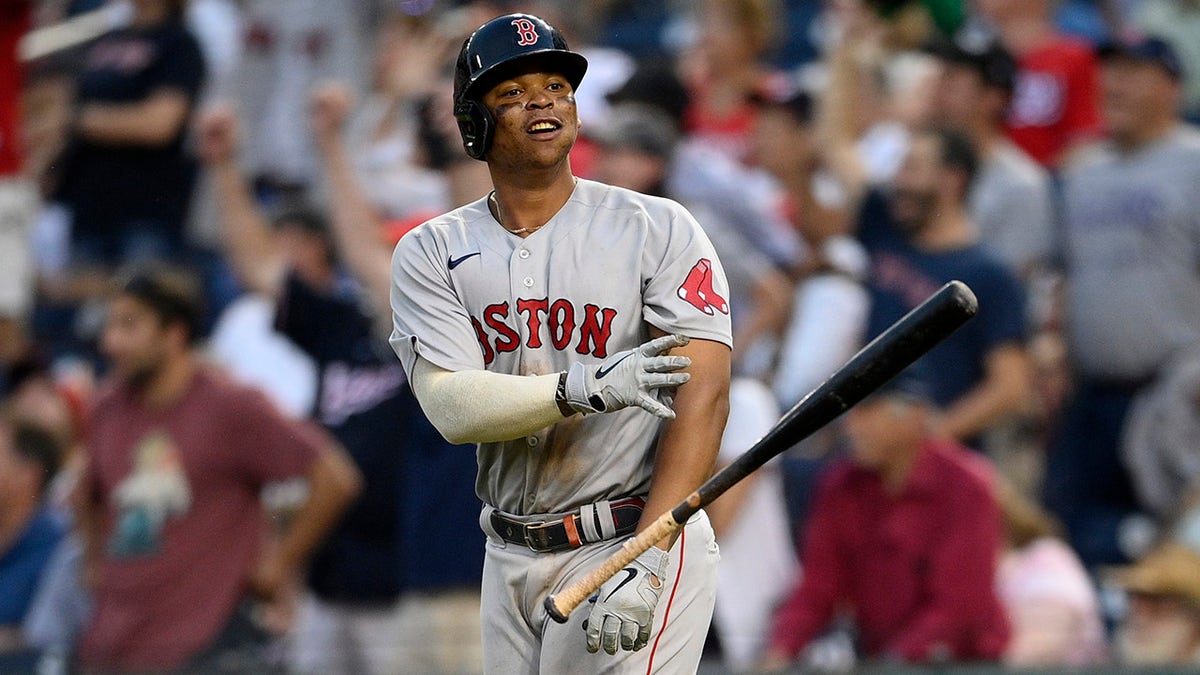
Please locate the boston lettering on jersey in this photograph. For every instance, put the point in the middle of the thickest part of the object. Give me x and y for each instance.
(558, 323)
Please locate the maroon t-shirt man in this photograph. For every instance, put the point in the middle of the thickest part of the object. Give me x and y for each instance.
(177, 495)
(916, 569)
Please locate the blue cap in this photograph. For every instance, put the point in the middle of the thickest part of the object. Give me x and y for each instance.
(1148, 49)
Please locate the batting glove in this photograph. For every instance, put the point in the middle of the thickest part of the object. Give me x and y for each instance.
(628, 378)
(624, 609)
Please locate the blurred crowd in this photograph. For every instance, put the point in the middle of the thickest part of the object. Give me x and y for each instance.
(210, 460)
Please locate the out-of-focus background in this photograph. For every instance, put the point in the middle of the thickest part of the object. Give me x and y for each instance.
(846, 157)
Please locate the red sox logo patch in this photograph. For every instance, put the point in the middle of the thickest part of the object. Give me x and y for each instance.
(526, 32)
(697, 289)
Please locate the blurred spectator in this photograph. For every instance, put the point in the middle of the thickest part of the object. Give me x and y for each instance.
(359, 577)
(1178, 22)
(1051, 604)
(169, 503)
(29, 529)
(383, 137)
(756, 544)
(125, 173)
(1133, 288)
(1053, 110)
(725, 66)
(919, 237)
(829, 303)
(905, 537)
(1010, 201)
(289, 46)
(1161, 627)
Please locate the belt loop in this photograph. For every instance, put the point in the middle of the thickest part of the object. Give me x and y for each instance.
(587, 518)
(485, 523)
(608, 528)
(568, 522)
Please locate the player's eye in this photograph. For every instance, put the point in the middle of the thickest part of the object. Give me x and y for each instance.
(515, 91)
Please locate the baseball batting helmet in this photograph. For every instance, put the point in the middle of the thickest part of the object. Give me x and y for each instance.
(495, 50)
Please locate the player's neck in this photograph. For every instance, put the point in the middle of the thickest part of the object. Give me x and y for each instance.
(522, 204)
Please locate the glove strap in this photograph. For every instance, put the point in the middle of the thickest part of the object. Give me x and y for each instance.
(560, 396)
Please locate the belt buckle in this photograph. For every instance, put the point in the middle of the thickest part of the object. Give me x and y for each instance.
(536, 538)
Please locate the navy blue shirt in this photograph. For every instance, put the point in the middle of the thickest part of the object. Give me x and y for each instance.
(110, 184)
(415, 525)
(903, 276)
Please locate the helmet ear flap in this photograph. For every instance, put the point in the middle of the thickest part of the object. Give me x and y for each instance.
(475, 125)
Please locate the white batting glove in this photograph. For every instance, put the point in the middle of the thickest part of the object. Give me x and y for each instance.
(624, 609)
(628, 378)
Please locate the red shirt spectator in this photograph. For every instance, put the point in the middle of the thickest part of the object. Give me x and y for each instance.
(916, 567)
(1056, 102)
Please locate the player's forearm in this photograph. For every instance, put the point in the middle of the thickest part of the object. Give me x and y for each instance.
(479, 406)
(687, 450)
(333, 482)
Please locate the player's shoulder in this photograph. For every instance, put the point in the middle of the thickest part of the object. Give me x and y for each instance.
(446, 227)
(658, 211)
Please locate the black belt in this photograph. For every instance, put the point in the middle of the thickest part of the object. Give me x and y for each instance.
(570, 531)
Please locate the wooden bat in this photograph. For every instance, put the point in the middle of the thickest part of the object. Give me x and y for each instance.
(882, 359)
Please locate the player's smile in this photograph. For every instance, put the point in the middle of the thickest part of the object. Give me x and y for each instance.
(544, 128)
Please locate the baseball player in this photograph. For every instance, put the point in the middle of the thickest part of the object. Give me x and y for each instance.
(580, 334)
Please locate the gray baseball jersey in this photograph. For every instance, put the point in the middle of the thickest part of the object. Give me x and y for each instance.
(1133, 230)
(466, 294)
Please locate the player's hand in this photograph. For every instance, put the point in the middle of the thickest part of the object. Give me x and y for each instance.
(328, 107)
(217, 134)
(624, 611)
(629, 378)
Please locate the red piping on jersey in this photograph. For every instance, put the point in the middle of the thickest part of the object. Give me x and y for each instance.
(670, 599)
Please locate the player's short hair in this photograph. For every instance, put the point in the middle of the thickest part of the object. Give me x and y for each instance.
(172, 295)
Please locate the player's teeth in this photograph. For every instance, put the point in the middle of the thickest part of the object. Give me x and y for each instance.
(542, 126)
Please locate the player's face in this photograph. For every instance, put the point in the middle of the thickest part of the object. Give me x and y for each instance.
(134, 340)
(536, 120)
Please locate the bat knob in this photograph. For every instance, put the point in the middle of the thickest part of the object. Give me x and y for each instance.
(552, 610)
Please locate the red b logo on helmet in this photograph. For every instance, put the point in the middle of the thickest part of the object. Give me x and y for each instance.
(526, 32)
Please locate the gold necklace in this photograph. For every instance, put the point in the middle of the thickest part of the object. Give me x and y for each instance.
(495, 207)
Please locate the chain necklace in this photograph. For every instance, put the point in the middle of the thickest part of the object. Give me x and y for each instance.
(495, 207)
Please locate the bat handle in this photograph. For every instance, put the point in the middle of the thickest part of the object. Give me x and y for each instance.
(560, 605)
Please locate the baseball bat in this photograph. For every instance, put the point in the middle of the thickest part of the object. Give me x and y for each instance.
(882, 359)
